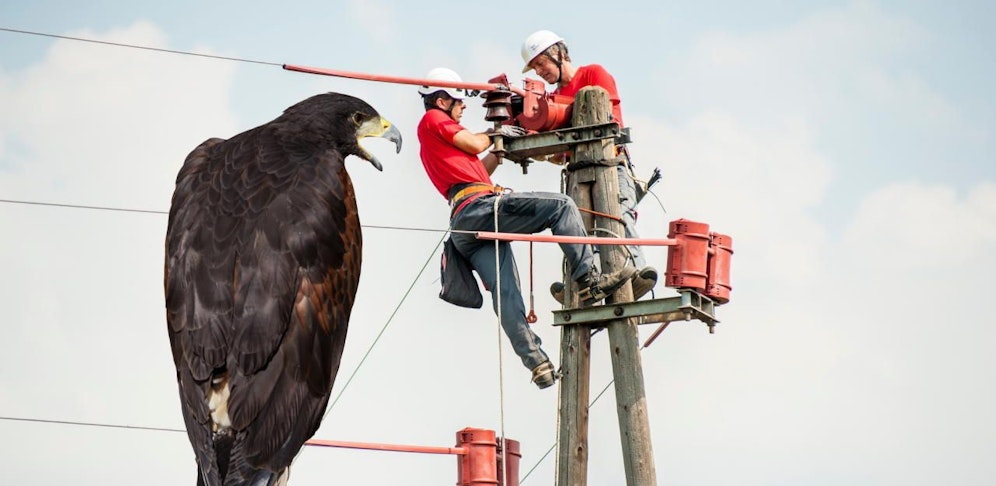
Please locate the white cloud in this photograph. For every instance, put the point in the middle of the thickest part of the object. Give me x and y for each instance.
(756, 184)
(913, 225)
(376, 17)
(136, 112)
(821, 67)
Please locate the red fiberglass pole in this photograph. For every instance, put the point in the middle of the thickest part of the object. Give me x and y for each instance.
(402, 80)
(591, 240)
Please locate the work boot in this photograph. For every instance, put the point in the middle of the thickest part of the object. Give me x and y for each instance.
(557, 290)
(544, 375)
(596, 286)
(646, 278)
(644, 281)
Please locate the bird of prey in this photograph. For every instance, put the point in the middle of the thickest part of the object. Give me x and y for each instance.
(263, 250)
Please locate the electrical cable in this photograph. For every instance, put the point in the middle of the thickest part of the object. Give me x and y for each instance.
(90, 424)
(384, 328)
(135, 46)
(501, 364)
(152, 211)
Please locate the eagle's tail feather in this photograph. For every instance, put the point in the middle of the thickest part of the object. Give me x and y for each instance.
(238, 472)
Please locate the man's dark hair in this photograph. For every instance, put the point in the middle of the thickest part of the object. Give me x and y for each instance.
(429, 100)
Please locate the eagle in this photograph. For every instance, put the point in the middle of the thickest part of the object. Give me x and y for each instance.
(263, 250)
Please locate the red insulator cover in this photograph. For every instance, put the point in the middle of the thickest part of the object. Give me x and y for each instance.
(687, 262)
(718, 280)
(512, 469)
(479, 466)
(541, 111)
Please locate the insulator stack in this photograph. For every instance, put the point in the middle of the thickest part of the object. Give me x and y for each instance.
(498, 105)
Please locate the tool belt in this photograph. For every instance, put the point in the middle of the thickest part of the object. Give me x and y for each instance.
(470, 192)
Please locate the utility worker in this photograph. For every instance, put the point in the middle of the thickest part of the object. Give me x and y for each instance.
(545, 53)
(449, 155)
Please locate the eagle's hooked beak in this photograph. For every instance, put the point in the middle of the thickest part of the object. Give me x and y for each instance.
(378, 127)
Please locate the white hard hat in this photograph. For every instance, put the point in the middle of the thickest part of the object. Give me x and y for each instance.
(535, 44)
(443, 74)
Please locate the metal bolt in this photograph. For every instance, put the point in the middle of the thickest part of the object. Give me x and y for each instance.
(567, 317)
(618, 311)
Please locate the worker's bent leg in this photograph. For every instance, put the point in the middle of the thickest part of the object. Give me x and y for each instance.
(513, 310)
(533, 212)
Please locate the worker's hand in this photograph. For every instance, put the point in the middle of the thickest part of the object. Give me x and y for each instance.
(557, 158)
(508, 131)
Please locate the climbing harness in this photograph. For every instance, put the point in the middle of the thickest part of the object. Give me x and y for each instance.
(471, 192)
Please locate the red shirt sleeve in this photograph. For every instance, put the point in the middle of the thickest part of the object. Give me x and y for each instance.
(444, 162)
(595, 75)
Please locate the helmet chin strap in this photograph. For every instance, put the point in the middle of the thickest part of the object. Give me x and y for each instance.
(559, 61)
(448, 111)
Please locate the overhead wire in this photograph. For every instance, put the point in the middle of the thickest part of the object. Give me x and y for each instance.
(90, 424)
(155, 211)
(135, 46)
(389, 319)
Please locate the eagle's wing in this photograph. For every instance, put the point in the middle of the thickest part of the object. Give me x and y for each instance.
(198, 335)
(263, 261)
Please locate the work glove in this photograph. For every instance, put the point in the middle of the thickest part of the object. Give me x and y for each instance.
(507, 131)
(557, 159)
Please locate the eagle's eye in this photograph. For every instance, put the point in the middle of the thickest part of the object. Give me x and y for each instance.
(358, 118)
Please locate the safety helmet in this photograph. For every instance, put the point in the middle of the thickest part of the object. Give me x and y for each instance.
(443, 74)
(535, 44)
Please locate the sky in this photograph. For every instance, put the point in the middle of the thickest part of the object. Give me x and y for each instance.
(848, 147)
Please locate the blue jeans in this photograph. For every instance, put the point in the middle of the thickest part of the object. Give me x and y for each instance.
(525, 213)
(627, 204)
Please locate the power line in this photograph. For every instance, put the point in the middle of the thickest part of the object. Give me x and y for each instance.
(79, 206)
(153, 211)
(389, 319)
(90, 424)
(134, 46)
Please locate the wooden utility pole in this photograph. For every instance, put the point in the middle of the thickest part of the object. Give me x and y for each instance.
(593, 184)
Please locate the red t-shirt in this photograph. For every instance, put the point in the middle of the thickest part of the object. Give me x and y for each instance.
(444, 163)
(594, 75)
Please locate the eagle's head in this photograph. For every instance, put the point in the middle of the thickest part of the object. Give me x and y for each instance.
(335, 120)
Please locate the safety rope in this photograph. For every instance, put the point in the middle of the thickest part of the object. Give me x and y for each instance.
(531, 317)
(501, 364)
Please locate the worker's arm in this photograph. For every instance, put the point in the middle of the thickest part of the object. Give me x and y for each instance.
(472, 143)
(476, 143)
(490, 162)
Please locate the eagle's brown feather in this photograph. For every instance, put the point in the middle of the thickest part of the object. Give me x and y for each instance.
(263, 253)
